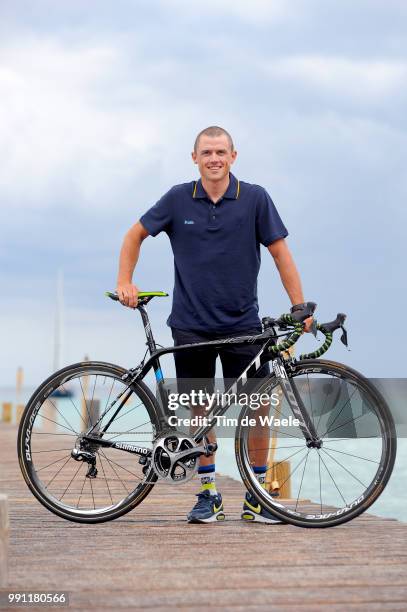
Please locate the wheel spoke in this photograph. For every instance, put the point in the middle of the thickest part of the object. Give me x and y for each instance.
(295, 469)
(85, 401)
(279, 447)
(343, 425)
(333, 480)
(71, 481)
(332, 440)
(128, 412)
(322, 412)
(335, 450)
(80, 494)
(93, 497)
(344, 468)
(53, 450)
(50, 433)
(320, 481)
(110, 463)
(285, 459)
(339, 413)
(119, 465)
(118, 397)
(107, 484)
(59, 424)
(302, 479)
(76, 409)
(127, 431)
(53, 462)
(310, 399)
(59, 471)
(69, 425)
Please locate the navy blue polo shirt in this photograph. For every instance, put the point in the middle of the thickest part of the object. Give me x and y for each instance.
(216, 252)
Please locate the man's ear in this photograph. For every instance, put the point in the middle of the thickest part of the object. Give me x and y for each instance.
(234, 155)
(193, 155)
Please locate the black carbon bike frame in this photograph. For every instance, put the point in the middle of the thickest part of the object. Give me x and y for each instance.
(245, 381)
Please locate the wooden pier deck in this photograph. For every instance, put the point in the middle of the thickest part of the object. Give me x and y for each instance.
(152, 559)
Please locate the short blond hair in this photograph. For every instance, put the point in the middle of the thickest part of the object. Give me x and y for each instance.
(212, 131)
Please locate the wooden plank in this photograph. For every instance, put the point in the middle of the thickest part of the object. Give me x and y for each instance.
(4, 535)
(151, 558)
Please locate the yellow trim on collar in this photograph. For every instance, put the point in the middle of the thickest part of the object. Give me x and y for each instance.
(237, 191)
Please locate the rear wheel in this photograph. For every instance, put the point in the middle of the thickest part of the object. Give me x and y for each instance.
(67, 404)
(330, 482)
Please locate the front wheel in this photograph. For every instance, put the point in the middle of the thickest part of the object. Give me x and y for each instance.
(67, 404)
(337, 478)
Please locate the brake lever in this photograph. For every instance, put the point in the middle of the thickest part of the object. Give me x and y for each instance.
(344, 336)
(314, 328)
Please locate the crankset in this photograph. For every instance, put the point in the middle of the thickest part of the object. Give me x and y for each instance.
(175, 457)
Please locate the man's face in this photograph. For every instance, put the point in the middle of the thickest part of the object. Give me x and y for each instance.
(214, 157)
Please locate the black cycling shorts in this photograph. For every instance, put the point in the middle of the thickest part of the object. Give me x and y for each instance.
(196, 369)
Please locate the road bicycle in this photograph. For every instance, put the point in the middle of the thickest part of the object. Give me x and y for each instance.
(94, 439)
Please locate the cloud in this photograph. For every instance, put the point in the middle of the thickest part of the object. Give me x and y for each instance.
(255, 12)
(57, 131)
(87, 121)
(343, 77)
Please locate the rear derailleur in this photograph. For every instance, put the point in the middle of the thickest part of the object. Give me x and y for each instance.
(87, 454)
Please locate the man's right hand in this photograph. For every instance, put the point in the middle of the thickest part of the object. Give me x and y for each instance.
(128, 294)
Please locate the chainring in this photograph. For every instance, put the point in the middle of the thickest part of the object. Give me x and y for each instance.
(165, 459)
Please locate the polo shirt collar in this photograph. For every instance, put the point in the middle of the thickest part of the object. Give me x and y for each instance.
(231, 193)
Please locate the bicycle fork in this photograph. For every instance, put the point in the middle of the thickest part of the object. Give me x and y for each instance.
(296, 404)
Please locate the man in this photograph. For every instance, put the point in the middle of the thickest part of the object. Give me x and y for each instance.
(215, 226)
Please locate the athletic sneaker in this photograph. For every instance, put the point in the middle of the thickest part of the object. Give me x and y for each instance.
(208, 509)
(255, 513)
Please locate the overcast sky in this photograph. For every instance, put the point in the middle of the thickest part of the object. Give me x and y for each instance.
(100, 103)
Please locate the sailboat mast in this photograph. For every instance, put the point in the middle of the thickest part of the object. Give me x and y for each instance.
(58, 321)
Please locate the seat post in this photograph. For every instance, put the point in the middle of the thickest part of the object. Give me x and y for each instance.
(162, 392)
(147, 328)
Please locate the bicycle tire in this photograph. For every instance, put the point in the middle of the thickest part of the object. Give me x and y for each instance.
(368, 399)
(40, 399)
